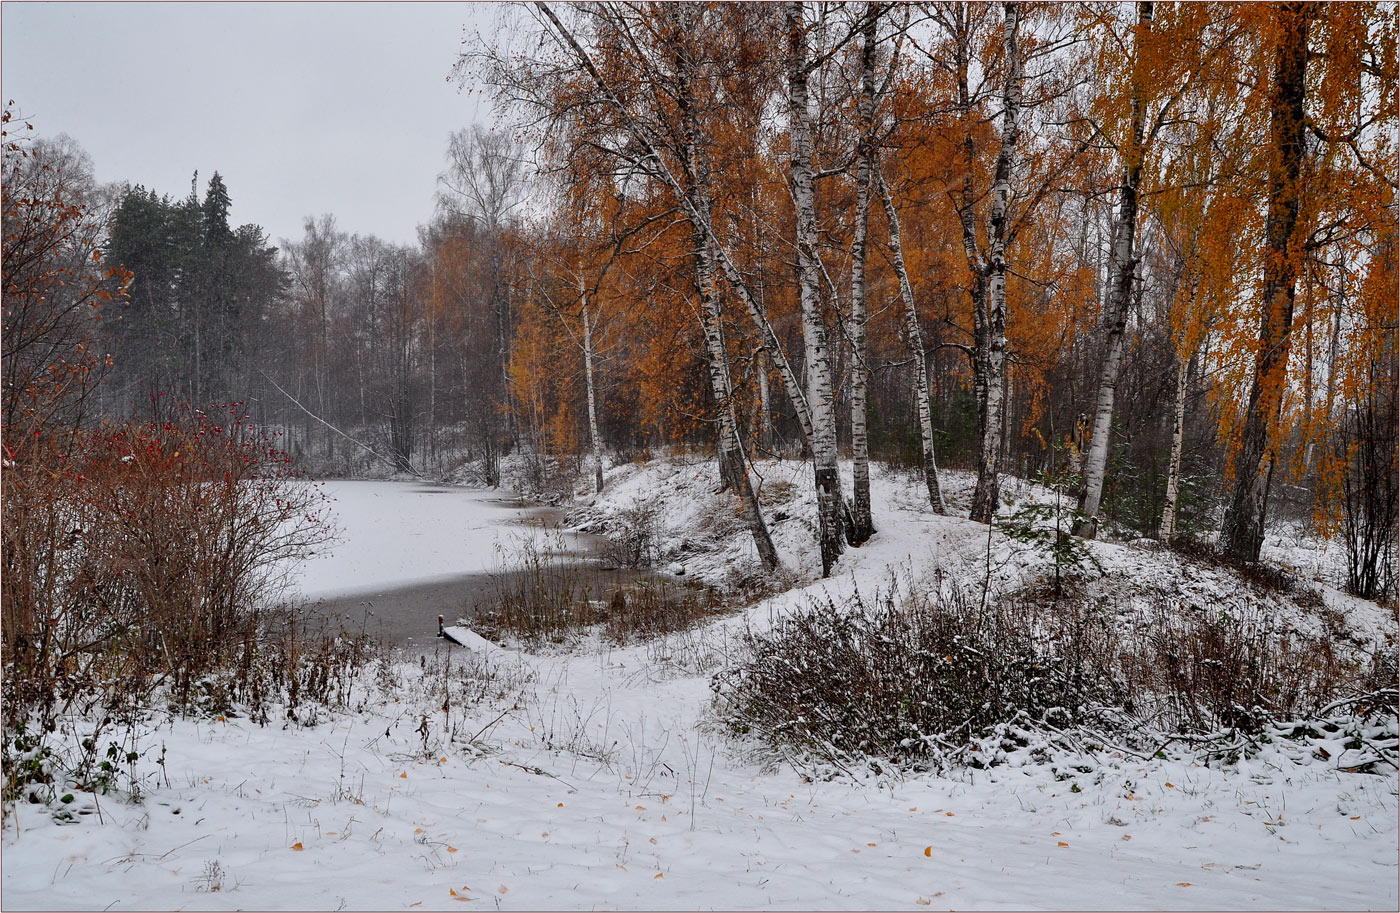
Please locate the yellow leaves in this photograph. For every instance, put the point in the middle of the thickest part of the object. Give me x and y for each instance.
(1171, 785)
(403, 775)
(298, 847)
(462, 896)
(1061, 843)
(658, 875)
(928, 851)
(560, 805)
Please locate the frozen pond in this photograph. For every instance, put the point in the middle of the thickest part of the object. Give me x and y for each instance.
(409, 551)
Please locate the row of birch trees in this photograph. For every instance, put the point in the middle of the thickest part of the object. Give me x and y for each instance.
(1037, 207)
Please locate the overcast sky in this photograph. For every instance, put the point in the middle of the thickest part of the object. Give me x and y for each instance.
(304, 108)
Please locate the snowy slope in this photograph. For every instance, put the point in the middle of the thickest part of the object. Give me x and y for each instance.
(595, 779)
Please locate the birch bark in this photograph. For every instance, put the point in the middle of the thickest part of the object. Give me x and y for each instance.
(916, 347)
(990, 320)
(814, 334)
(588, 383)
(1121, 270)
(863, 526)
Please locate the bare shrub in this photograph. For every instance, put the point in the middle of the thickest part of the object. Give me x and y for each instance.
(907, 678)
(932, 677)
(543, 594)
(137, 554)
(633, 536)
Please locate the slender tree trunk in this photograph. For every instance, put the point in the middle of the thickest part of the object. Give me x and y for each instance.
(1121, 270)
(863, 526)
(593, 437)
(991, 327)
(916, 347)
(1242, 535)
(814, 332)
(765, 403)
(734, 473)
(1167, 532)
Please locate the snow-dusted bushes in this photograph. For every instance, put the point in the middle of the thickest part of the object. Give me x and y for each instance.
(909, 678)
(138, 559)
(941, 677)
(544, 594)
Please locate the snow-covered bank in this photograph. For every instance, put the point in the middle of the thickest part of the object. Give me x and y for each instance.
(598, 779)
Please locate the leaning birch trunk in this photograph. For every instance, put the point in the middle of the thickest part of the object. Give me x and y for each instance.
(700, 220)
(1242, 533)
(588, 383)
(916, 346)
(1167, 532)
(734, 471)
(862, 524)
(991, 341)
(814, 335)
(1121, 270)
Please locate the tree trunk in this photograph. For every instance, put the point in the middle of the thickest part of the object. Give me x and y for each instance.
(1167, 532)
(916, 347)
(1121, 269)
(733, 466)
(863, 526)
(1242, 535)
(593, 437)
(814, 332)
(991, 325)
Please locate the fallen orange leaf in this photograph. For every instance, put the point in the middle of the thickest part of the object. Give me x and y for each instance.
(1356, 817)
(560, 805)
(872, 844)
(1127, 836)
(1183, 884)
(404, 775)
(442, 760)
(950, 814)
(928, 851)
(658, 875)
(417, 830)
(1062, 843)
(641, 808)
(502, 889)
(1171, 785)
(451, 849)
(297, 846)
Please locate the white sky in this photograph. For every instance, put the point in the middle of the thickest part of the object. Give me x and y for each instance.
(304, 108)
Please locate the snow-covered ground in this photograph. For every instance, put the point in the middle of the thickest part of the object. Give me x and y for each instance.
(596, 778)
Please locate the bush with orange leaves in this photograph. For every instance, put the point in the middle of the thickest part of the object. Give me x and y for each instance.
(140, 555)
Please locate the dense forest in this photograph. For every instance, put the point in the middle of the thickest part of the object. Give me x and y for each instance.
(1149, 247)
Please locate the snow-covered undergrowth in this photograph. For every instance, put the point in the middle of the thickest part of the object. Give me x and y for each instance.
(599, 777)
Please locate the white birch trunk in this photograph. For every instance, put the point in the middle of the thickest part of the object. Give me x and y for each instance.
(593, 437)
(863, 525)
(991, 342)
(916, 347)
(1121, 269)
(1167, 532)
(814, 333)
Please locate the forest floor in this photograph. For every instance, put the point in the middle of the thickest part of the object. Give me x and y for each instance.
(592, 775)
